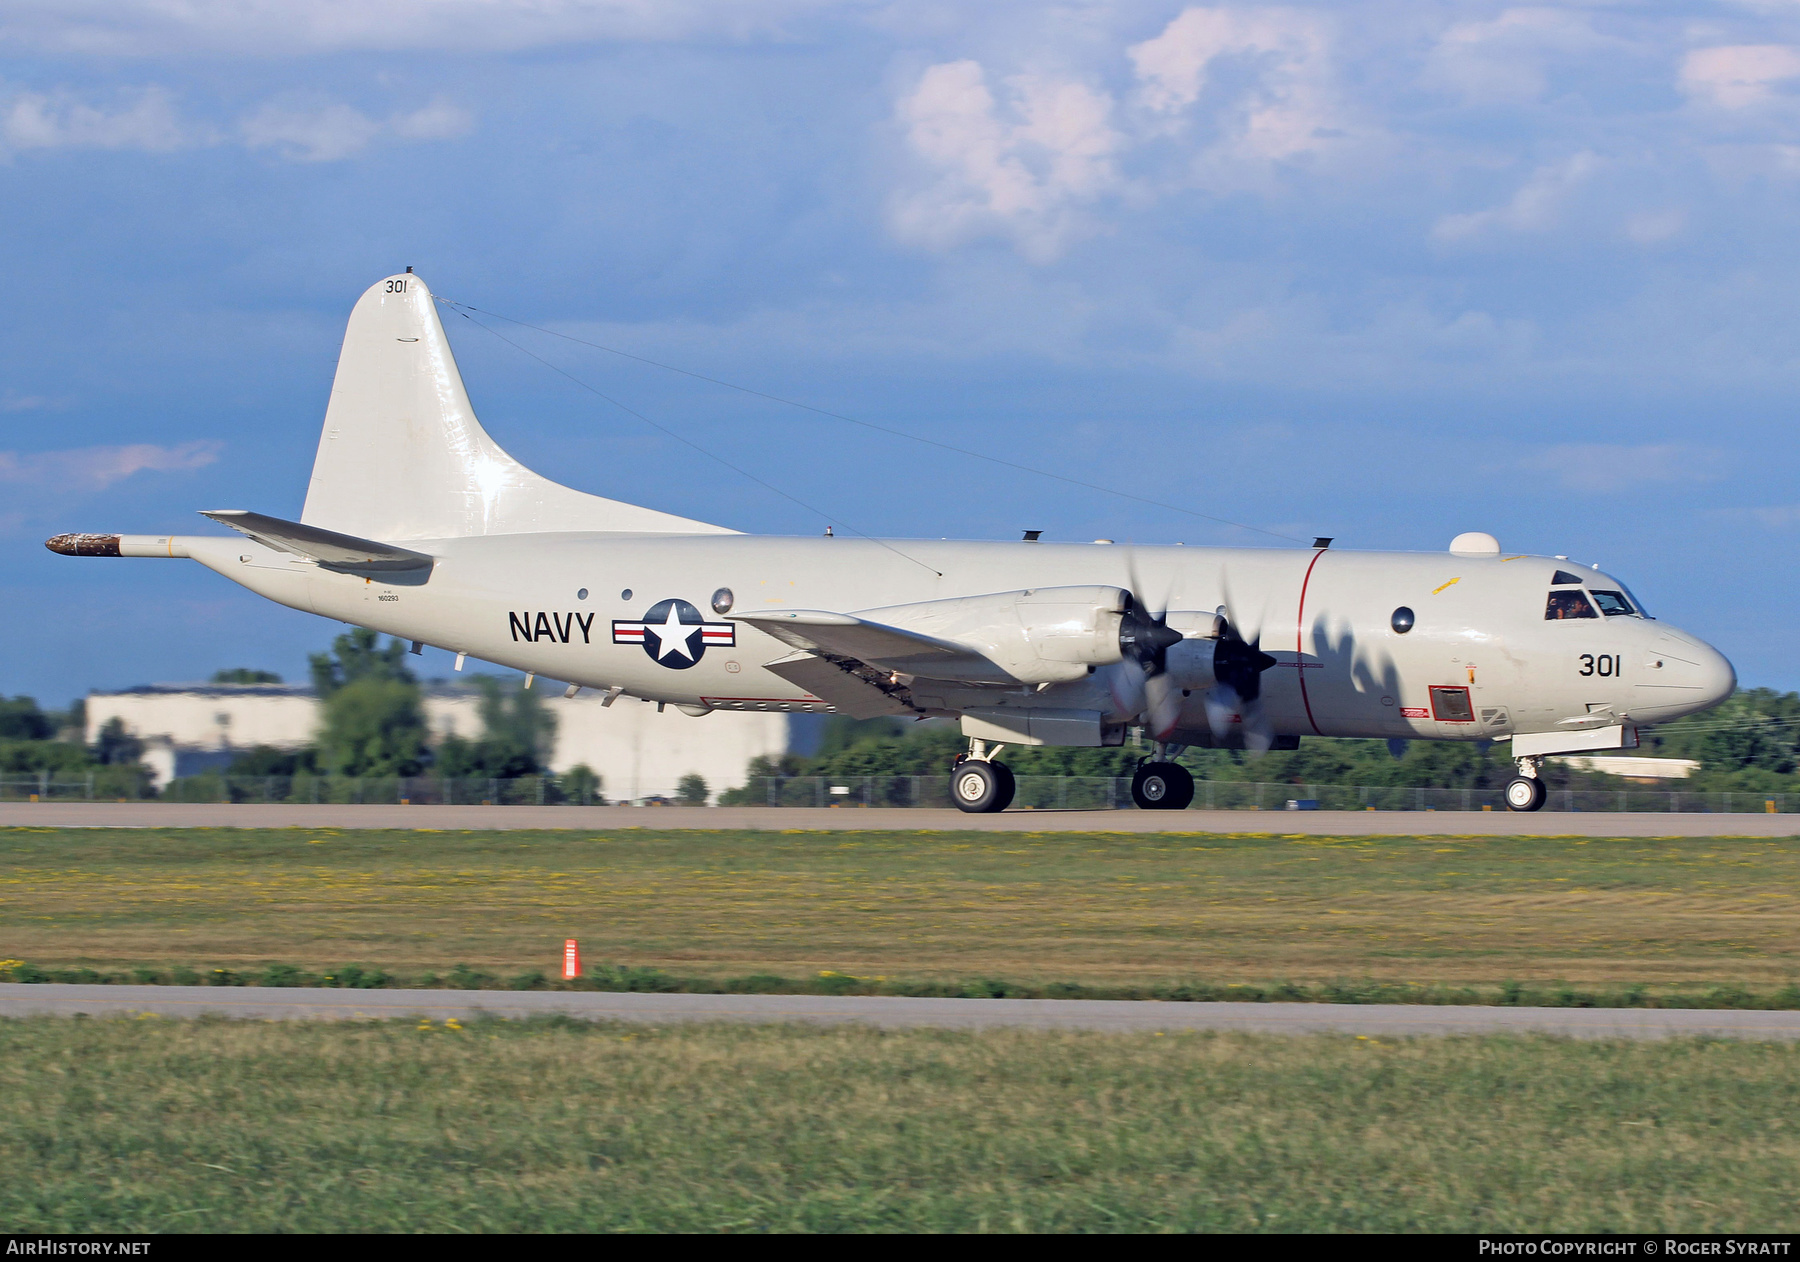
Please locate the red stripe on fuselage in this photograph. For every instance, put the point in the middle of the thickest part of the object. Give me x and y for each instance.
(1300, 642)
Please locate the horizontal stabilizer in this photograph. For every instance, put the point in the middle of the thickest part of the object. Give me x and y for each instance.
(327, 547)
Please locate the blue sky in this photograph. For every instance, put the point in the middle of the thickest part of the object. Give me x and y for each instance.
(1380, 271)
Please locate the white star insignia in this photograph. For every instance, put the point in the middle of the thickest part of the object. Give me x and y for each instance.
(674, 635)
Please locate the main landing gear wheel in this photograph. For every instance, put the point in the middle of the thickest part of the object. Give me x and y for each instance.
(1525, 795)
(1162, 786)
(981, 787)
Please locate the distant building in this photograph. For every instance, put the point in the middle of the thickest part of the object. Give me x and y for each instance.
(638, 752)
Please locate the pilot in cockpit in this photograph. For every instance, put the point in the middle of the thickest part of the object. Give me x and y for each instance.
(1568, 604)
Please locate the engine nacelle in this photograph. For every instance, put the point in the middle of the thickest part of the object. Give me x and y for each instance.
(1190, 664)
(1043, 635)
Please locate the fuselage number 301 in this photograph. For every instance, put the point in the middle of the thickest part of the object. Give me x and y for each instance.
(1606, 665)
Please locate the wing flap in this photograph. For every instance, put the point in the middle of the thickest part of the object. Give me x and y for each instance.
(839, 683)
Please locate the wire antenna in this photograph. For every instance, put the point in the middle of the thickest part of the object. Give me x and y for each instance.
(680, 437)
(464, 308)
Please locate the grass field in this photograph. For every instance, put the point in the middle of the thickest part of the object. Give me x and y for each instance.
(1099, 910)
(146, 1126)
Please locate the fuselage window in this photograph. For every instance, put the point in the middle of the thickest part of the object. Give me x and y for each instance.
(1565, 605)
(1563, 578)
(1612, 604)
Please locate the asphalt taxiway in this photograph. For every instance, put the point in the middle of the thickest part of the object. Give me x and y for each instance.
(854, 819)
(1118, 1016)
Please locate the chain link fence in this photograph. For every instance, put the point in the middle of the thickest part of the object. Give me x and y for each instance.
(1089, 793)
(574, 789)
(1070, 793)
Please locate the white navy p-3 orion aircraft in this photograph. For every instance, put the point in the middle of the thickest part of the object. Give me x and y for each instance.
(417, 524)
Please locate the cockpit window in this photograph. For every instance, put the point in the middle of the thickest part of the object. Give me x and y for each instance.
(1612, 604)
(1563, 578)
(1636, 604)
(1564, 605)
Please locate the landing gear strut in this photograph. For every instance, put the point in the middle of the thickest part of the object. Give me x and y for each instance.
(980, 785)
(1526, 792)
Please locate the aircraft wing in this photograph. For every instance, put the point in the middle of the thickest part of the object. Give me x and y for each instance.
(854, 688)
(327, 547)
(842, 635)
(851, 662)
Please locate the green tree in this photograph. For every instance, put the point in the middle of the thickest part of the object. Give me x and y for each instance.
(374, 724)
(114, 746)
(356, 655)
(691, 790)
(581, 783)
(21, 720)
(1750, 742)
(244, 675)
(518, 733)
(266, 760)
(374, 727)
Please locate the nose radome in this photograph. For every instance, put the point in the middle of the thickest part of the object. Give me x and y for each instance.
(1683, 675)
(1717, 678)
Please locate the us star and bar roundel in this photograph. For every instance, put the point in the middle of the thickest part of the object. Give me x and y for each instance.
(674, 633)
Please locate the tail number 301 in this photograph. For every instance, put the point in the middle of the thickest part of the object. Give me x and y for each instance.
(1606, 665)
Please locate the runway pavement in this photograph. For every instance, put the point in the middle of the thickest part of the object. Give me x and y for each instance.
(851, 819)
(1121, 1016)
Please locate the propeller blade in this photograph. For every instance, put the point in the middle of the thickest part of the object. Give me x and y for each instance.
(1239, 663)
(1145, 638)
(1162, 705)
(1222, 706)
(1258, 734)
(1125, 684)
(1247, 621)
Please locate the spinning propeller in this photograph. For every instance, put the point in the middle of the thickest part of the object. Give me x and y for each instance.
(1238, 665)
(1144, 687)
(1145, 638)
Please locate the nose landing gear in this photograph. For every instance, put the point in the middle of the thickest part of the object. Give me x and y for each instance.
(980, 785)
(1526, 792)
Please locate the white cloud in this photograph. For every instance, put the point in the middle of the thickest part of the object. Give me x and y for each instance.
(1775, 517)
(1534, 208)
(1030, 159)
(96, 468)
(1647, 227)
(1739, 77)
(1608, 467)
(288, 28)
(329, 132)
(148, 120)
(1023, 169)
(321, 134)
(1505, 58)
(1279, 104)
(39, 120)
(440, 120)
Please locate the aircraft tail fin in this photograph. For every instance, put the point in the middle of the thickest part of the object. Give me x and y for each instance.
(403, 457)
